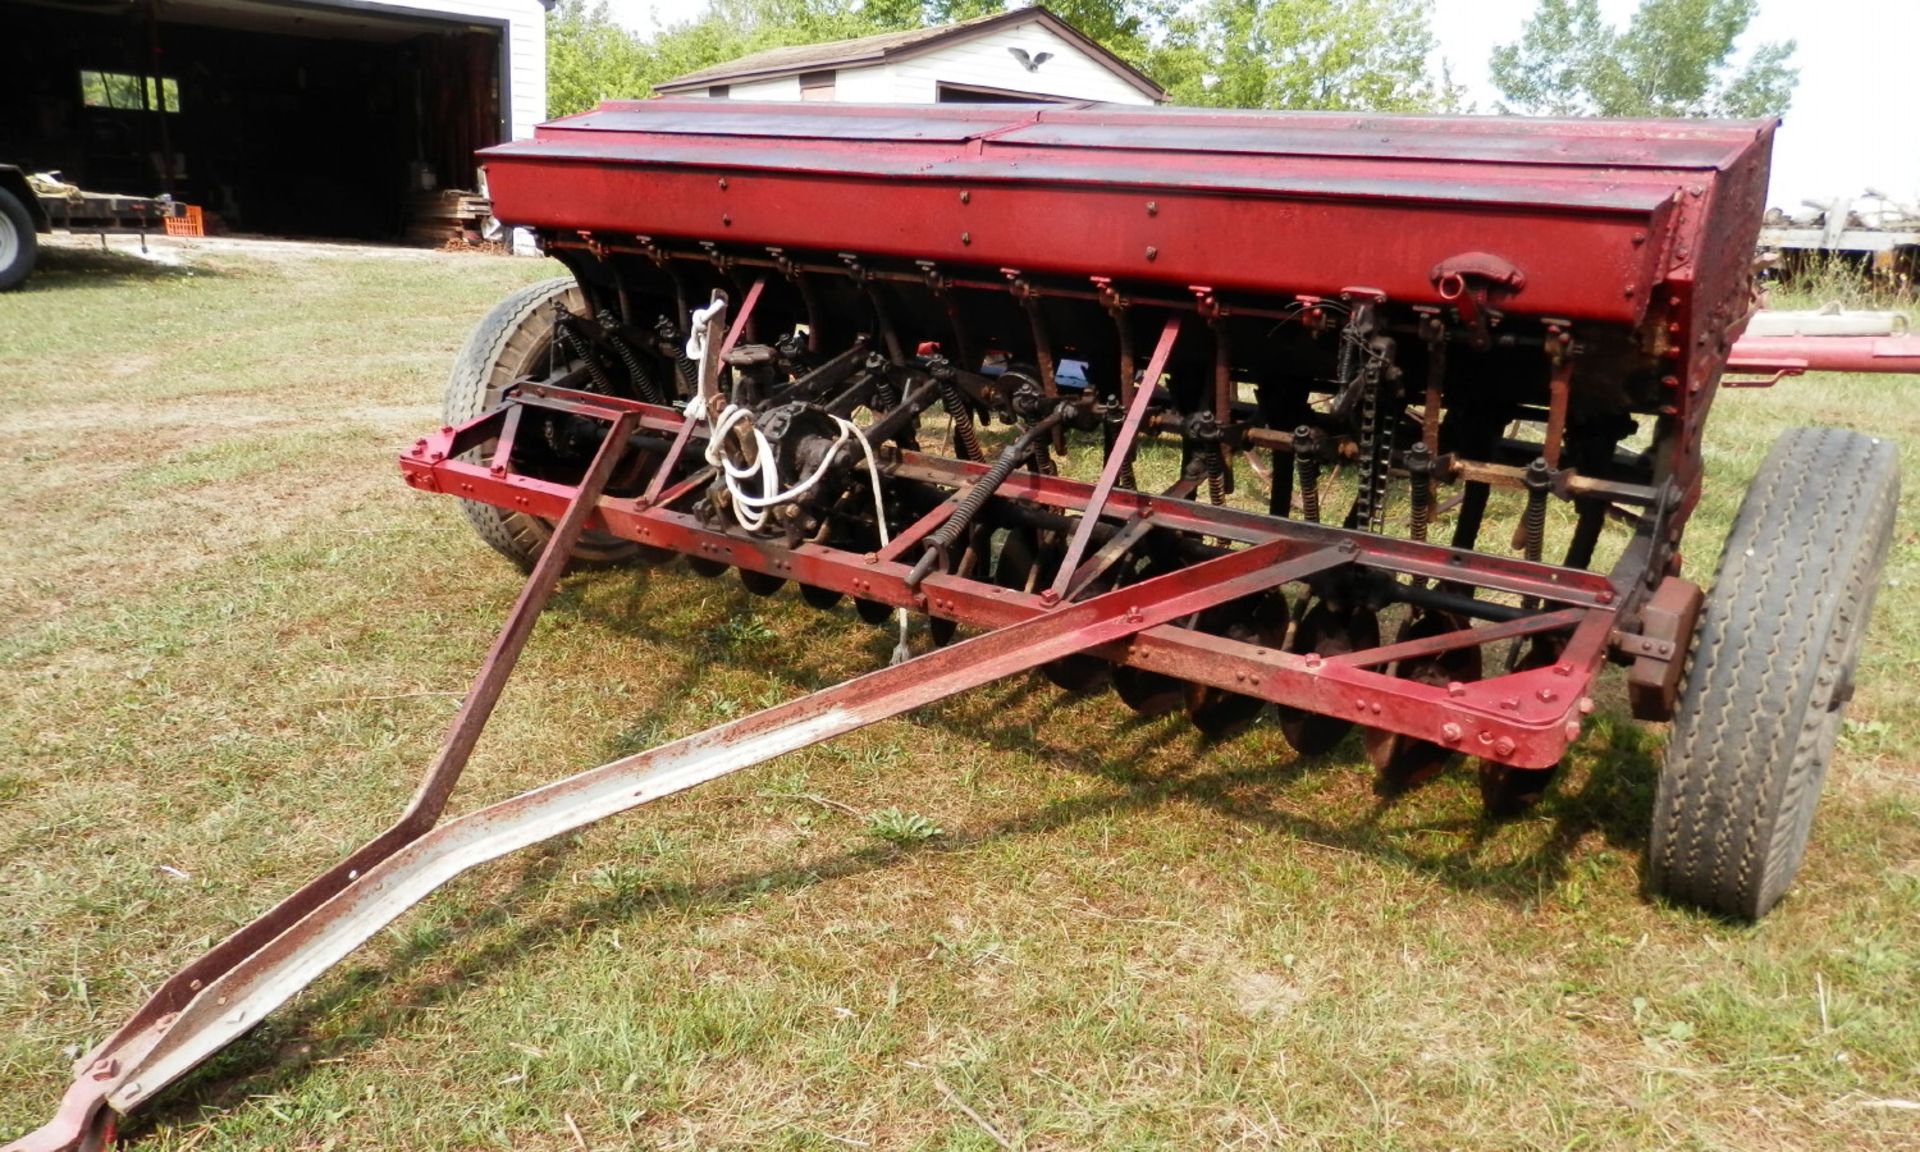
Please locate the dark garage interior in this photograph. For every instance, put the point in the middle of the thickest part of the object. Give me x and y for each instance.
(288, 119)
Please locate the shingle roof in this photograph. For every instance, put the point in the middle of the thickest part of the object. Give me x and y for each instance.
(893, 46)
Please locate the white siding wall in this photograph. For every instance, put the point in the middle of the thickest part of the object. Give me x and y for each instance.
(986, 63)
(980, 63)
(779, 88)
(870, 85)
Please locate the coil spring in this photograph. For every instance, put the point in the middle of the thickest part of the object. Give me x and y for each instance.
(573, 348)
(674, 347)
(1306, 458)
(637, 375)
(966, 439)
(1420, 485)
(1216, 462)
(1533, 523)
(884, 393)
(944, 537)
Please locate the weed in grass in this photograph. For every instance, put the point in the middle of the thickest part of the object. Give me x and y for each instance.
(741, 632)
(897, 827)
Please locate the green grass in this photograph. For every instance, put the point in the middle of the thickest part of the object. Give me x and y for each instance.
(231, 638)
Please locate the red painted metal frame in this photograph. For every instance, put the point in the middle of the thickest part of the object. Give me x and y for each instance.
(221, 995)
(103, 1071)
(1524, 719)
(1777, 356)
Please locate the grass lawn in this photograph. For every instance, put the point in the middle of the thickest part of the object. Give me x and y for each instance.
(230, 637)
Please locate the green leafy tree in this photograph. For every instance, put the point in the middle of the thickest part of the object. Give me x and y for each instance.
(1354, 54)
(590, 58)
(1370, 55)
(1674, 58)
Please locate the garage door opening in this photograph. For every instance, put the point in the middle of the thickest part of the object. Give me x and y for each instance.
(321, 119)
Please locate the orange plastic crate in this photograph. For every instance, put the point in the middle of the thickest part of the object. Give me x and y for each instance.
(188, 223)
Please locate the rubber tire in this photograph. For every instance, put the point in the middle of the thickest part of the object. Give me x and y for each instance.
(498, 352)
(26, 248)
(1769, 670)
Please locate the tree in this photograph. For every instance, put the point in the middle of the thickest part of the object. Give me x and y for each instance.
(1673, 59)
(1370, 55)
(1342, 54)
(590, 58)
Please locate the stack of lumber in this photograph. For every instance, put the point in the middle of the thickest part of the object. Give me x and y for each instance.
(448, 214)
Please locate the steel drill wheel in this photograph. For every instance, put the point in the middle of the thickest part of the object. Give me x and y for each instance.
(1026, 562)
(1506, 791)
(818, 597)
(1261, 621)
(761, 583)
(1148, 693)
(1403, 762)
(707, 569)
(966, 566)
(1329, 629)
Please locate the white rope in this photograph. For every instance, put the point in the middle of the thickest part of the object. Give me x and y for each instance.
(702, 319)
(751, 511)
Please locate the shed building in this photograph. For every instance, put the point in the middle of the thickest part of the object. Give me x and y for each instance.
(1023, 55)
(321, 118)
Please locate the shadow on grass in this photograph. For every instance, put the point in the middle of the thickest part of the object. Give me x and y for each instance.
(1611, 797)
(64, 267)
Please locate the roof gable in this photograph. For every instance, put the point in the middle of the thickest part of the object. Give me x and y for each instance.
(887, 47)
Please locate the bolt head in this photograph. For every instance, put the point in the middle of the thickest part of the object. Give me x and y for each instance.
(1503, 746)
(1450, 732)
(1049, 597)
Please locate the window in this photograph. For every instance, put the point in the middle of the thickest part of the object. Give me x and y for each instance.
(816, 85)
(719, 91)
(122, 92)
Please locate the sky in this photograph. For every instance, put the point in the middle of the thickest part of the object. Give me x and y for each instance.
(1852, 122)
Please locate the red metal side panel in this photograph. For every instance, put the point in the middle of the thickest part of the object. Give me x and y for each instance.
(1248, 201)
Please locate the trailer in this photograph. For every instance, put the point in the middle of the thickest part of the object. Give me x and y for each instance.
(27, 212)
(1872, 230)
(1387, 427)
